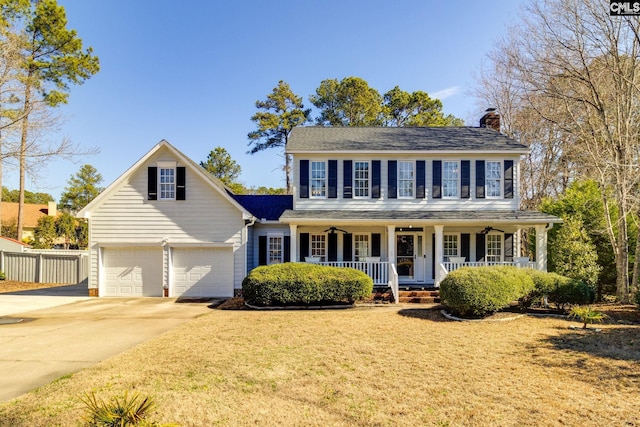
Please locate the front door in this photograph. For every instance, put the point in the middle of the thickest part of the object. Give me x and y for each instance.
(409, 254)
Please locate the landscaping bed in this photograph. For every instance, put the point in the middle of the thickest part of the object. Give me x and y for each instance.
(15, 286)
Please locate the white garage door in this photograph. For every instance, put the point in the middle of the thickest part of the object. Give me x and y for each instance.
(133, 272)
(202, 272)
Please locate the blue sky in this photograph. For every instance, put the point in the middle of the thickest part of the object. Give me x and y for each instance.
(190, 72)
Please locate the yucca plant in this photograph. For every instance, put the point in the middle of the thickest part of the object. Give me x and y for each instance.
(119, 411)
(586, 315)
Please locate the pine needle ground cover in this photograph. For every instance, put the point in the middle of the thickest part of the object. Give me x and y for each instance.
(361, 367)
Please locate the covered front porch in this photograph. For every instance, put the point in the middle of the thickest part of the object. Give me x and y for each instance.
(400, 249)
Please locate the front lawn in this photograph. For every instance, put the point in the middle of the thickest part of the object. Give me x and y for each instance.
(365, 366)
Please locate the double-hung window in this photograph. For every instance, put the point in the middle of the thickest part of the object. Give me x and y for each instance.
(450, 179)
(493, 178)
(319, 246)
(360, 246)
(494, 248)
(451, 246)
(319, 179)
(405, 179)
(361, 179)
(167, 181)
(275, 248)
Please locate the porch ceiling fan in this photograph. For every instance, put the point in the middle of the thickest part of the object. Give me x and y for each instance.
(332, 230)
(488, 229)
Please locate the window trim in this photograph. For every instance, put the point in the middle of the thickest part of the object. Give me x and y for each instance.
(487, 179)
(324, 255)
(274, 236)
(458, 245)
(355, 179)
(162, 166)
(500, 240)
(413, 179)
(325, 188)
(353, 249)
(458, 180)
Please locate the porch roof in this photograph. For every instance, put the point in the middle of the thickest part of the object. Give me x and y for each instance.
(422, 216)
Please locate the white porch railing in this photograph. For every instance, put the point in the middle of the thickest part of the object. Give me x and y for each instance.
(382, 273)
(448, 267)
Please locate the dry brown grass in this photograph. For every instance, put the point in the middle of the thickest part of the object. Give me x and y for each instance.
(381, 366)
(15, 286)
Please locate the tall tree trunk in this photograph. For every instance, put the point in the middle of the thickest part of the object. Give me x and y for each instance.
(636, 266)
(23, 159)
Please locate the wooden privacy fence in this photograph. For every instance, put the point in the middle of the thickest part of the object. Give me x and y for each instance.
(46, 266)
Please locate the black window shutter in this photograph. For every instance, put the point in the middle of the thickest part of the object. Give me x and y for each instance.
(332, 250)
(286, 248)
(152, 183)
(262, 250)
(479, 247)
(304, 179)
(465, 246)
(392, 179)
(375, 244)
(347, 190)
(375, 179)
(304, 246)
(420, 179)
(181, 183)
(465, 179)
(347, 247)
(480, 179)
(433, 256)
(333, 179)
(437, 179)
(508, 247)
(508, 179)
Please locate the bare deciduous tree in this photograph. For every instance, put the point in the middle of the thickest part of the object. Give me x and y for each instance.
(577, 69)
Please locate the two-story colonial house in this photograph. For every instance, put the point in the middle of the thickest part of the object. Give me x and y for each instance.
(406, 205)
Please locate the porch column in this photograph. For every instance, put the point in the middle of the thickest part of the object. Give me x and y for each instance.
(541, 247)
(518, 242)
(391, 244)
(293, 243)
(439, 251)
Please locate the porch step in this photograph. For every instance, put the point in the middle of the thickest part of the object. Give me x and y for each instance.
(419, 297)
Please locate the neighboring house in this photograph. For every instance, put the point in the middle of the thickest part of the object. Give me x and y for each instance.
(31, 214)
(406, 205)
(11, 245)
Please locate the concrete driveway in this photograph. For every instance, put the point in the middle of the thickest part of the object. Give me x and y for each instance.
(54, 337)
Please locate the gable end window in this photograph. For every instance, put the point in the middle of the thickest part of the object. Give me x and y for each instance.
(166, 182)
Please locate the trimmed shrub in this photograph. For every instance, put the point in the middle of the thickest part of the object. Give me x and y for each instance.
(478, 291)
(304, 284)
(560, 290)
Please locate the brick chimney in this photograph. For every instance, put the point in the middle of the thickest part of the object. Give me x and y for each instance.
(491, 119)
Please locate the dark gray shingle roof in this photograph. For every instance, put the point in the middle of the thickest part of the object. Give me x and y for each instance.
(437, 216)
(463, 138)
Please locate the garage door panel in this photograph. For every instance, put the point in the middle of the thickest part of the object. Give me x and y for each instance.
(199, 272)
(133, 272)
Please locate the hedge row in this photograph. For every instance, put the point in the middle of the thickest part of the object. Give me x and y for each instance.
(304, 284)
(478, 291)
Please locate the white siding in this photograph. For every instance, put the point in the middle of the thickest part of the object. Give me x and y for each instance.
(384, 203)
(128, 218)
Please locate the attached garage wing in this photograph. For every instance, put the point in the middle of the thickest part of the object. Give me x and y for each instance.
(202, 272)
(132, 272)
